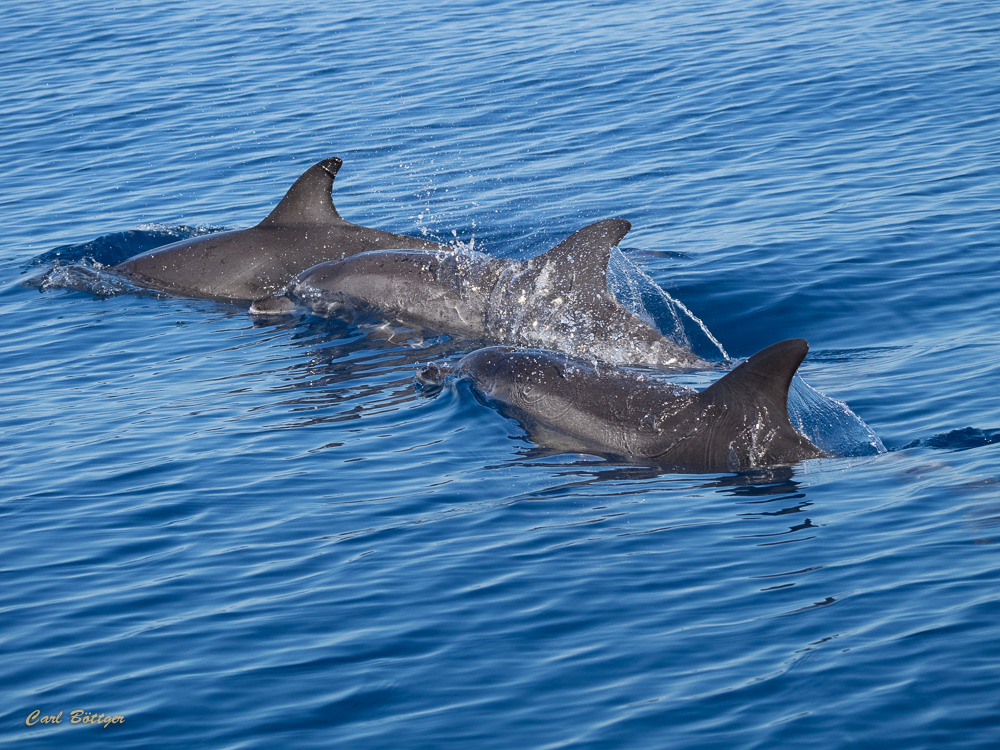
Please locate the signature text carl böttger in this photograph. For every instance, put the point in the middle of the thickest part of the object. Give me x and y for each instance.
(75, 717)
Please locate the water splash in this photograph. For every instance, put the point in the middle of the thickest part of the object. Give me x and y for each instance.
(87, 267)
(641, 296)
(86, 275)
(830, 424)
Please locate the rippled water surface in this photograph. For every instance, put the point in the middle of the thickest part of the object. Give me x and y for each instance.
(252, 534)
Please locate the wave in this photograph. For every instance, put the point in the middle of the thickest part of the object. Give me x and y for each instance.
(962, 439)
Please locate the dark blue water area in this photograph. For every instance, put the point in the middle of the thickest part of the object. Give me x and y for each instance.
(241, 533)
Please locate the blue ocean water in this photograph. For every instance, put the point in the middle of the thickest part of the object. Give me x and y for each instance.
(240, 534)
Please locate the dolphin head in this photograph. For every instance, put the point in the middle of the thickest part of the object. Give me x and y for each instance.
(535, 386)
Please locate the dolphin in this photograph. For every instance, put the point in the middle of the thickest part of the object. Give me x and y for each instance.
(304, 229)
(557, 300)
(739, 422)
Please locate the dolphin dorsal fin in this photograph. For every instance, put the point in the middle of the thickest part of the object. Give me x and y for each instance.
(761, 381)
(581, 260)
(308, 200)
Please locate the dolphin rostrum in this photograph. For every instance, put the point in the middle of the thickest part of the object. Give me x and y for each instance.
(304, 229)
(738, 422)
(557, 300)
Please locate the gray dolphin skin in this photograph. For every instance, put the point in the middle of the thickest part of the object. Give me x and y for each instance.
(304, 229)
(739, 422)
(557, 300)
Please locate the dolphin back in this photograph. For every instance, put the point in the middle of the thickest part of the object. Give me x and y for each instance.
(762, 381)
(561, 300)
(580, 262)
(309, 200)
(746, 414)
(303, 230)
